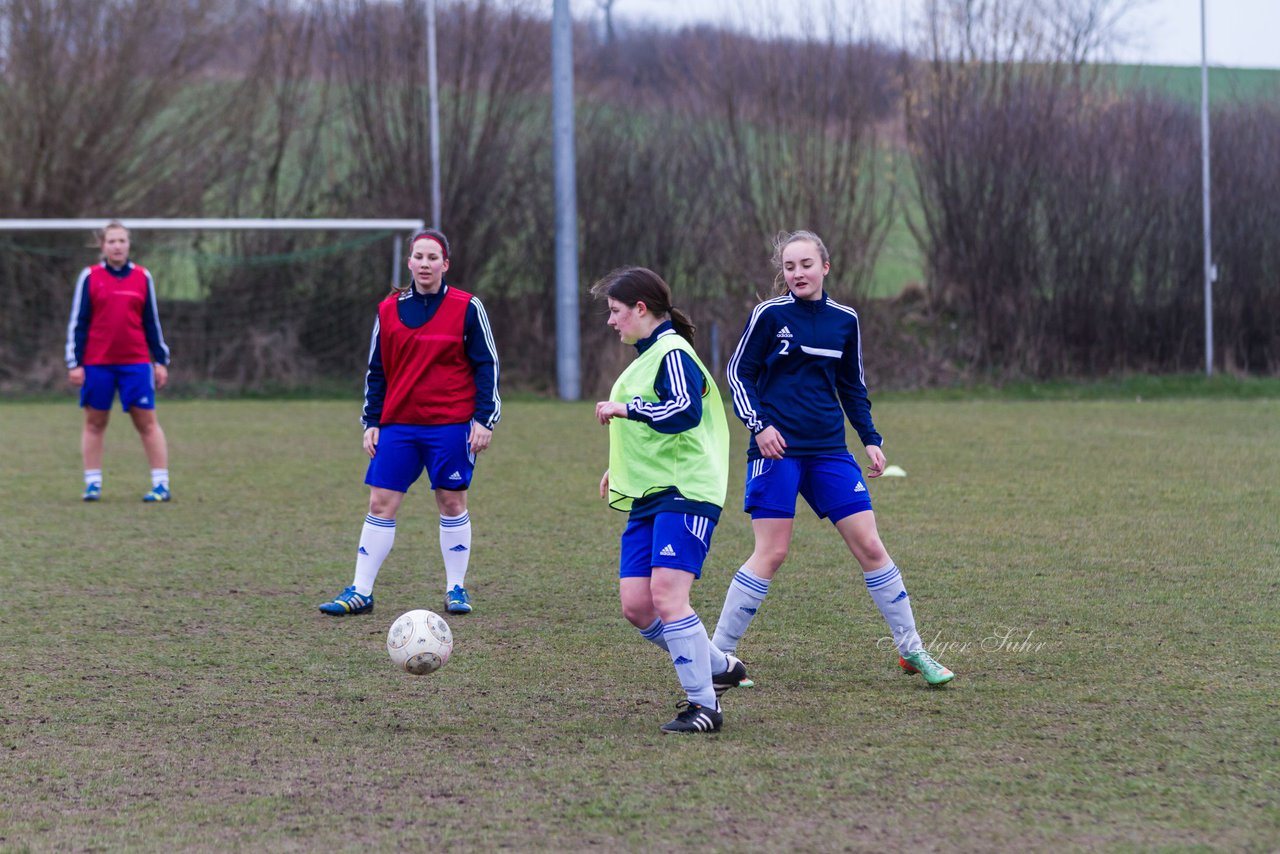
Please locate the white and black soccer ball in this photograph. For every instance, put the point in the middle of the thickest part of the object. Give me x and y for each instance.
(420, 642)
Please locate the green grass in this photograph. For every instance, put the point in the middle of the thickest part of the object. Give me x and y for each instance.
(168, 684)
(1182, 82)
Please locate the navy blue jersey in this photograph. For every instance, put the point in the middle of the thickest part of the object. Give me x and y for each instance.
(798, 369)
(414, 310)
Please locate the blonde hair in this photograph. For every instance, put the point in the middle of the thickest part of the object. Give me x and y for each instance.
(780, 244)
(100, 234)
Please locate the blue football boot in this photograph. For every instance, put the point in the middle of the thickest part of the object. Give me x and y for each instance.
(457, 600)
(348, 602)
(157, 494)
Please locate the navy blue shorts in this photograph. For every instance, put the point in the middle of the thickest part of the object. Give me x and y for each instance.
(405, 450)
(832, 484)
(136, 384)
(670, 540)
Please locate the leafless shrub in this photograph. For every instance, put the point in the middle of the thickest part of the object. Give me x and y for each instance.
(494, 63)
(1061, 219)
(100, 104)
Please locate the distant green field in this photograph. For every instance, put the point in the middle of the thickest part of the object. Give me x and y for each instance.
(1183, 82)
(1100, 573)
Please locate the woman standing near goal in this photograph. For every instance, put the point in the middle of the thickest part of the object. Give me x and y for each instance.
(431, 401)
(795, 375)
(114, 343)
(669, 467)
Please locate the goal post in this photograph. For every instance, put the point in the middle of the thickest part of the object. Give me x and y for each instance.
(253, 319)
(406, 226)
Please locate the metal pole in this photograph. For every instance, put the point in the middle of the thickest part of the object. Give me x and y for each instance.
(433, 88)
(395, 262)
(1210, 271)
(568, 372)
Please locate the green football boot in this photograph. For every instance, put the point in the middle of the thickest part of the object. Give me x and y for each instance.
(922, 662)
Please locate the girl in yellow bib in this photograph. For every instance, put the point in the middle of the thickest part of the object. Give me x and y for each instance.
(668, 469)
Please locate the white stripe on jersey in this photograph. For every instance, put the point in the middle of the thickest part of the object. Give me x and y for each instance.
(75, 317)
(373, 342)
(848, 310)
(493, 351)
(680, 401)
(155, 315)
(741, 401)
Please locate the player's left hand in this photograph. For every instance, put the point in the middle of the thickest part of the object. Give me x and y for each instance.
(608, 409)
(876, 468)
(480, 437)
(162, 375)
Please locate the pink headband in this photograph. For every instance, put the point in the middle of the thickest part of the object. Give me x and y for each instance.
(444, 250)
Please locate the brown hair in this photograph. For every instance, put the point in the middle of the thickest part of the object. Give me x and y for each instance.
(631, 285)
(785, 239)
(432, 234)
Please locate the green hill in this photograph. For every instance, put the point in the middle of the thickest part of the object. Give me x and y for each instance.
(1183, 81)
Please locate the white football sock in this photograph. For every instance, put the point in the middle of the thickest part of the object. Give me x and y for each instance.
(653, 634)
(890, 595)
(455, 546)
(741, 602)
(690, 651)
(376, 539)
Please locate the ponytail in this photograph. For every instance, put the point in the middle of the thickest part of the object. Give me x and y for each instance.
(683, 325)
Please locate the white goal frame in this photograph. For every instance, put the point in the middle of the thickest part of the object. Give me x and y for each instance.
(407, 226)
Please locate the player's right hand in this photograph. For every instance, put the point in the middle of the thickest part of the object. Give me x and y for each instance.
(75, 376)
(371, 441)
(771, 444)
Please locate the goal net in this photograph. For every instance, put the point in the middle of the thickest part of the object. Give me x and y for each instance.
(250, 305)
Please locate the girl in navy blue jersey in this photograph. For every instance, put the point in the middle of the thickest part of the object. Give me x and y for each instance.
(431, 403)
(795, 376)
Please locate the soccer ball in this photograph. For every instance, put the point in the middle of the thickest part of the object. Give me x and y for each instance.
(420, 642)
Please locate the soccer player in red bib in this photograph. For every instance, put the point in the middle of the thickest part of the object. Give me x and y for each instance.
(431, 403)
(114, 343)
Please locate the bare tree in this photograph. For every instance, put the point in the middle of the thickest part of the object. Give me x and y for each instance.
(99, 105)
(494, 61)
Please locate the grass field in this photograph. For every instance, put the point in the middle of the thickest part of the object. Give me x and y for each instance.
(1103, 575)
(1226, 85)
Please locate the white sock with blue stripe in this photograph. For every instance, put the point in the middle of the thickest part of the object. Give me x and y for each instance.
(455, 545)
(92, 476)
(890, 595)
(746, 593)
(690, 650)
(653, 634)
(160, 477)
(376, 539)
